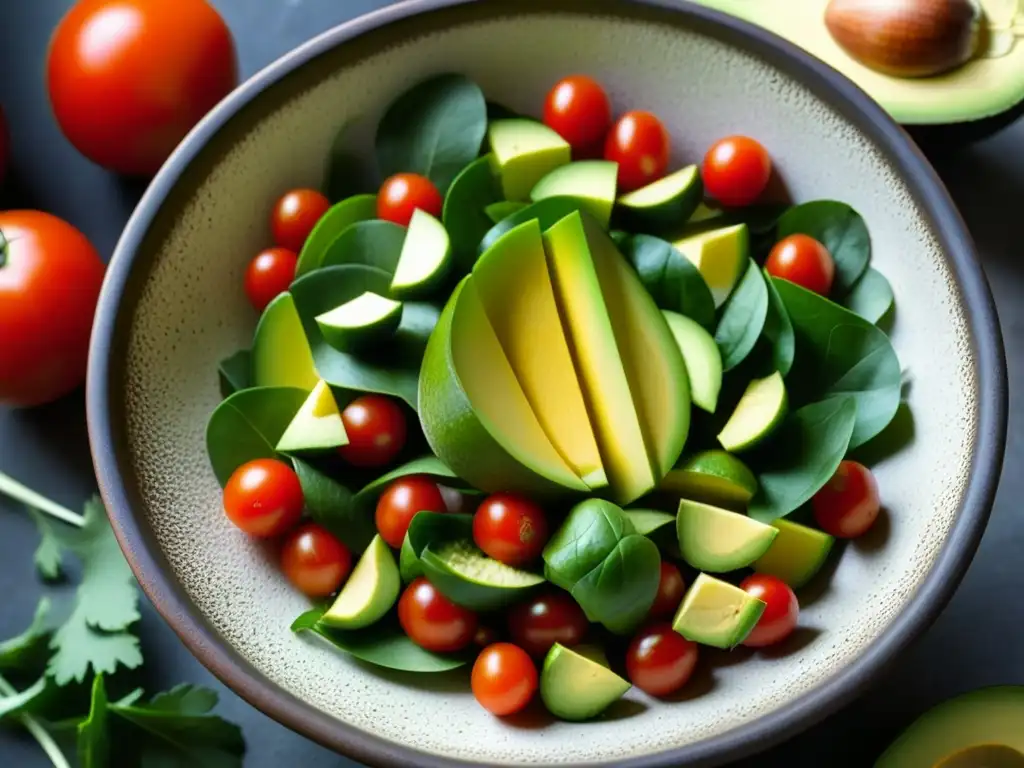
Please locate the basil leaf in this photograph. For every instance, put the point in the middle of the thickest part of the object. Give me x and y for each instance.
(778, 330)
(503, 209)
(871, 297)
(620, 591)
(672, 280)
(375, 243)
(587, 536)
(235, 372)
(742, 318)
(464, 214)
(548, 212)
(840, 229)
(434, 129)
(329, 503)
(338, 218)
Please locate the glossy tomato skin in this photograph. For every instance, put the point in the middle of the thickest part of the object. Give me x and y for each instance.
(510, 528)
(848, 504)
(639, 143)
(671, 589)
(376, 430)
(400, 195)
(802, 260)
(736, 171)
(781, 613)
(264, 498)
(434, 622)
(398, 505)
(50, 278)
(268, 276)
(314, 561)
(659, 661)
(545, 619)
(504, 679)
(295, 214)
(578, 110)
(129, 78)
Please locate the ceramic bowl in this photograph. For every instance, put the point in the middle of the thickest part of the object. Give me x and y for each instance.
(172, 307)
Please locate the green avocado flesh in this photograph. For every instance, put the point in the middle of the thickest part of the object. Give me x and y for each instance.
(367, 318)
(980, 729)
(469, 578)
(720, 255)
(317, 426)
(716, 540)
(758, 412)
(575, 687)
(663, 204)
(592, 182)
(701, 356)
(522, 153)
(425, 258)
(717, 613)
(370, 591)
(281, 356)
(714, 477)
(796, 554)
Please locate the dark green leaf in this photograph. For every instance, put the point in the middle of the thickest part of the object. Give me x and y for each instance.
(93, 743)
(619, 592)
(840, 229)
(743, 318)
(500, 210)
(235, 372)
(330, 504)
(548, 212)
(871, 297)
(30, 648)
(673, 282)
(375, 243)
(346, 173)
(778, 330)
(49, 556)
(434, 129)
(337, 219)
(583, 541)
(464, 213)
(247, 426)
(802, 456)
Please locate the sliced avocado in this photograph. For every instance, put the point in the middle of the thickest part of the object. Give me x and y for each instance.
(523, 152)
(663, 204)
(716, 540)
(713, 477)
(721, 255)
(576, 688)
(717, 613)
(370, 591)
(503, 209)
(366, 319)
(758, 412)
(515, 288)
(469, 578)
(701, 356)
(592, 182)
(317, 426)
(979, 729)
(281, 356)
(425, 260)
(797, 553)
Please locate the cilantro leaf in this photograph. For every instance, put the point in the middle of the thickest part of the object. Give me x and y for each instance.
(49, 555)
(78, 647)
(28, 649)
(93, 744)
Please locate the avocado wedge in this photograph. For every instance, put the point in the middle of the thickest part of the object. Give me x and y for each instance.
(522, 153)
(425, 258)
(796, 554)
(370, 591)
(317, 426)
(716, 540)
(713, 477)
(661, 205)
(717, 613)
(576, 687)
(759, 411)
(592, 182)
(366, 319)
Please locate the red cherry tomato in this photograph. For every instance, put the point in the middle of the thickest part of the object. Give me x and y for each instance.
(671, 589)
(782, 610)
(50, 278)
(401, 194)
(314, 561)
(263, 498)
(504, 679)
(294, 216)
(579, 111)
(432, 621)
(659, 661)
(510, 528)
(269, 275)
(376, 430)
(736, 171)
(848, 504)
(639, 143)
(398, 505)
(548, 618)
(802, 260)
(129, 78)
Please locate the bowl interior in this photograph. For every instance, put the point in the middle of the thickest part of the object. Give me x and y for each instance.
(185, 310)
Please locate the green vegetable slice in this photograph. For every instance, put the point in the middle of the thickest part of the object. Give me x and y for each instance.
(871, 297)
(337, 219)
(235, 372)
(672, 280)
(743, 318)
(840, 229)
(548, 212)
(465, 216)
(375, 243)
(501, 210)
(429, 528)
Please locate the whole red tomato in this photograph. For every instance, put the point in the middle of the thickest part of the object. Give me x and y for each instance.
(50, 278)
(129, 78)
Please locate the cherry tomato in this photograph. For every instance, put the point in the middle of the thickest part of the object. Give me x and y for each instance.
(264, 498)
(802, 260)
(129, 78)
(736, 170)
(639, 143)
(398, 505)
(432, 621)
(510, 528)
(548, 618)
(376, 430)
(403, 193)
(269, 275)
(781, 610)
(314, 561)
(294, 215)
(504, 679)
(671, 589)
(848, 504)
(579, 111)
(50, 278)
(659, 661)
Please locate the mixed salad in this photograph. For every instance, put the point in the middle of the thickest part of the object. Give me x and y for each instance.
(541, 404)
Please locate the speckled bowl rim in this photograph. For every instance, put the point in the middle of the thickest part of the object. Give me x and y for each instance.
(122, 288)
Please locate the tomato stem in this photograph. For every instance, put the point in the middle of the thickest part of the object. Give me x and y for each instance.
(39, 733)
(15, 490)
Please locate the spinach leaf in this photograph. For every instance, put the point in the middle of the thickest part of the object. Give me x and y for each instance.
(620, 591)
(235, 372)
(502, 209)
(802, 456)
(778, 330)
(329, 503)
(743, 318)
(840, 353)
(375, 243)
(247, 426)
(586, 538)
(871, 297)
(672, 280)
(434, 129)
(548, 212)
(429, 528)
(840, 229)
(337, 219)
(464, 214)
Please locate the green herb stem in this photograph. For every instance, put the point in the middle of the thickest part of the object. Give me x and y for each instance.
(39, 733)
(11, 487)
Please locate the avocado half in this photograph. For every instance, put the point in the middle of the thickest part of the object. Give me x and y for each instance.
(964, 104)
